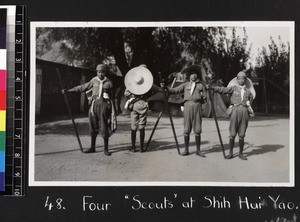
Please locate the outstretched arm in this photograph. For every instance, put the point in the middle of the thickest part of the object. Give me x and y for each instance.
(223, 90)
(127, 93)
(156, 89)
(176, 90)
(81, 88)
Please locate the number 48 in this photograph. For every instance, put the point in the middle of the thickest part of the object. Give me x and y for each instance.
(57, 205)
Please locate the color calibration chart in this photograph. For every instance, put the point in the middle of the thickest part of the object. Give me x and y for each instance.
(3, 63)
(12, 93)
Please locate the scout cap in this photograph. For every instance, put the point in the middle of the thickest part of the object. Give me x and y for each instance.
(241, 74)
(101, 67)
(193, 69)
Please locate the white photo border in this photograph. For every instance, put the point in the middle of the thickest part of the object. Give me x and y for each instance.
(283, 24)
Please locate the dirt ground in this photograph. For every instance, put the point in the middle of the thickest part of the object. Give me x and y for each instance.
(58, 158)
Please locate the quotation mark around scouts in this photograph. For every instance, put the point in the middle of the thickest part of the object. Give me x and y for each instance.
(139, 204)
(164, 203)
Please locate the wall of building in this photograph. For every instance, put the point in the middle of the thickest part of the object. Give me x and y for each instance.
(49, 99)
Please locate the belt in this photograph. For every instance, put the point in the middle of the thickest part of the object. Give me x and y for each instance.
(97, 98)
(93, 103)
(194, 101)
(240, 104)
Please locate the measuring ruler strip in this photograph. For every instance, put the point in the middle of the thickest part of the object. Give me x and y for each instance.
(19, 104)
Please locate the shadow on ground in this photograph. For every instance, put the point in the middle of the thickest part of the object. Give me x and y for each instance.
(154, 146)
(63, 128)
(58, 152)
(67, 128)
(264, 149)
(258, 150)
(165, 145)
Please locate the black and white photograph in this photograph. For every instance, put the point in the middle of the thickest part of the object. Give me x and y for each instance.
(162, 104)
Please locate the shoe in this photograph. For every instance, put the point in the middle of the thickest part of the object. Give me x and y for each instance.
(133, 138)
(198, 143)
(241, 155)
(142, 138)
(229, 156)
(186, 142)
(231, 145)
(185, 153)
(93, 145)
(106, 152)
(90, 150)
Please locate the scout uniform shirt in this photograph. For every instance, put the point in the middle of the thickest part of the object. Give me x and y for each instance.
(196, 93)
(93, 87)
(236, 94)
(239, 116)
(194, 96)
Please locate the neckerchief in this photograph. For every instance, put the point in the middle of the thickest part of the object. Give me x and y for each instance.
(100, 85)
(242, 88)
(193, 87)
(99, 92)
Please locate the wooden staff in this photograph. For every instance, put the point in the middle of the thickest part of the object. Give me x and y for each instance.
(158, 118)
(70, 112)
(170, 116)
(216, 120)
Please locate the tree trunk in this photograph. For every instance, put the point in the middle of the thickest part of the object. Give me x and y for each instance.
(117, 49)
(144, 50)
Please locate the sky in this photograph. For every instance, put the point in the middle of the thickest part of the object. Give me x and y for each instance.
(260, 36)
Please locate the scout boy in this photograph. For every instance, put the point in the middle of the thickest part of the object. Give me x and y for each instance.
(242, 94)
(101, 113)
(139, 86)
(194, 96)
